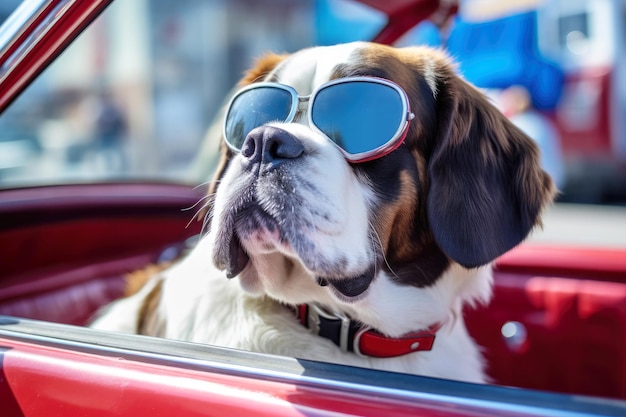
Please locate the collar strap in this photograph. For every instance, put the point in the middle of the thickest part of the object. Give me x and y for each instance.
(353, 336)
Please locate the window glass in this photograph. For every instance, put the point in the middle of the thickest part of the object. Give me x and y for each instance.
(133, 96)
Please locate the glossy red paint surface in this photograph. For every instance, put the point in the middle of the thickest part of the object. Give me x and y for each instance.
(27, 30)
(39, 380)
(70, 18)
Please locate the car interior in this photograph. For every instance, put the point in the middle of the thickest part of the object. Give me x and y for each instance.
(556, 323)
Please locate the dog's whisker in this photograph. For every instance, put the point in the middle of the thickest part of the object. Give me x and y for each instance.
(378, 244)
(208, 217)
(206, 197)
(208, 202)
(191, 220)
(203, 184)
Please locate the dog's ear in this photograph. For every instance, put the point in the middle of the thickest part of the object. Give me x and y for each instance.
(260, 70)
(487, 188)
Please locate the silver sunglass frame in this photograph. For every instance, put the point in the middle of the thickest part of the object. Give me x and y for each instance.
(297, 101)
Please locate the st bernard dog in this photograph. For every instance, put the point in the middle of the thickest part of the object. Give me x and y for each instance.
(362, 194)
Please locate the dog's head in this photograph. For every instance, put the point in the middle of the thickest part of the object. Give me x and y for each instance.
(394, 240)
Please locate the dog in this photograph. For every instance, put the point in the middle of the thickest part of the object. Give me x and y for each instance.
(362, 194)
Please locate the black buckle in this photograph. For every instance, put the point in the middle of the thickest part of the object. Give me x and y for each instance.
(331, 325)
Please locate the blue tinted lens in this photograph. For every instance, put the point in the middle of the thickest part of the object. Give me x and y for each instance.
(359, 116)
(254, 108)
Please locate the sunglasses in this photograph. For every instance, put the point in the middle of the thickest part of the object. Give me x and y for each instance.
(365, 117)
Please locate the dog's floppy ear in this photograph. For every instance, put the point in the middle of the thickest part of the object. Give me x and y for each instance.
(261, 68)
(487, 188)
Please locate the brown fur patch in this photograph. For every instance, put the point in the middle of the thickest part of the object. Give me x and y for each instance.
(262, 67)
(137, 279)
(394, 221)
(225, 156)
(148, 320)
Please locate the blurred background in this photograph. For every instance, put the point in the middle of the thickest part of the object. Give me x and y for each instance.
(135, 95)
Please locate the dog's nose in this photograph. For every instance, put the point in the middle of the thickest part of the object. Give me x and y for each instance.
(271, 145)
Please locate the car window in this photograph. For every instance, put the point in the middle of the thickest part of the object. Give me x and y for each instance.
(133, 96)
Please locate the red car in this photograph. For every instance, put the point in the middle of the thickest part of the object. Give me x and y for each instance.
(554, 334)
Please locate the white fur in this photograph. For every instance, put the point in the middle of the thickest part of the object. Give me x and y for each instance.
(431, 76)
(201, 305)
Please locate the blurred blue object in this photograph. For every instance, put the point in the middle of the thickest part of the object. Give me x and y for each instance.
(426, 33)
(340, 21)
(505, 52)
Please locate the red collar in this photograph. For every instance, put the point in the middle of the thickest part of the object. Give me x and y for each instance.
(353, 336)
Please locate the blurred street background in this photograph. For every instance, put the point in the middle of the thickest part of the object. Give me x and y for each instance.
(134, 97)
